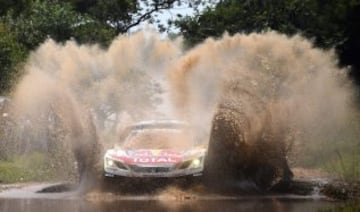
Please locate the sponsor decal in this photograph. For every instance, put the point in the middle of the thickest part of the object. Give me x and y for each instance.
(149, 157)
(153, 153)
(154, 160)
(149, 160)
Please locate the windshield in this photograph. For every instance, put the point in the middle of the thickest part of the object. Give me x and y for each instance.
(174, 139)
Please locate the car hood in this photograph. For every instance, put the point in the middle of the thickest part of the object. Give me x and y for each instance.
(154, 156)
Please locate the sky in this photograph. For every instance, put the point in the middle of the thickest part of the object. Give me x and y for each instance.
(165, 15)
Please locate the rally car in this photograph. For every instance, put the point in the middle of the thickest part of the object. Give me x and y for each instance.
(156, 149)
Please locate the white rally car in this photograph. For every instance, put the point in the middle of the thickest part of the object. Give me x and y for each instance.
(156, 149)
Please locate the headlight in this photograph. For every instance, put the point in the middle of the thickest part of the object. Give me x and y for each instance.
(114, 164)
(195, 163)
(109, 162)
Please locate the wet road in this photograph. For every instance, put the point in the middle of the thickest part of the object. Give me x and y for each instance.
(28, 200)
(61, 205)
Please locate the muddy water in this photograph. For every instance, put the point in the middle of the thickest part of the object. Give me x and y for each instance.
(26, 199)
(273, 204)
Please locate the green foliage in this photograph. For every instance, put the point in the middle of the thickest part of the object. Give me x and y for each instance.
(118, 13)
(57, 21)
(122, 15)
(17, 6)
(25, 24)
(311, 17)
(10, 173)
(24, 30)
(350, 206)
(343, 158)
(30, 167)
(93, 32)
(12, 54)
(338, 152)
(333, 23)
(345, 164)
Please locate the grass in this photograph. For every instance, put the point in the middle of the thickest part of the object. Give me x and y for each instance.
(10, 172)
(345, 164)
(30, 167)
(335, 150)
(351, 206)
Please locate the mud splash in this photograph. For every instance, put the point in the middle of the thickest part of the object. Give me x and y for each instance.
(300, 86)
(266, 96)
(76, 99)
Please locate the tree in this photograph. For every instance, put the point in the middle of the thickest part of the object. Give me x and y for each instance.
(17, 6)
(31, 22)
(11, 55)
(331, 24)
(349, 50)
(58, 21)
(123, 15)
(24, 30)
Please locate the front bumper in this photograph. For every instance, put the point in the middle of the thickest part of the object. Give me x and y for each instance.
(154, 172)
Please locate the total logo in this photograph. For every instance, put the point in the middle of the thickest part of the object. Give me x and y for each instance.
(152, 160)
